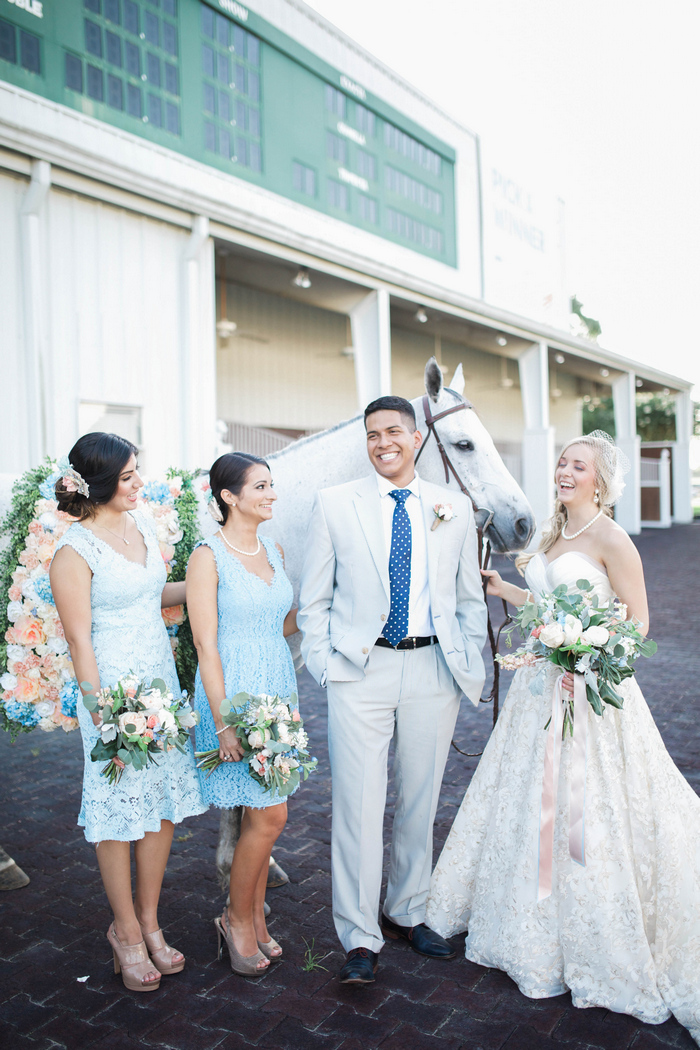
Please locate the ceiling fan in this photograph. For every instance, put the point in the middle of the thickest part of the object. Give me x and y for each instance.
(227, 329)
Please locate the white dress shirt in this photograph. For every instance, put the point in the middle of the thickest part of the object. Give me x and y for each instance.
(420, 621)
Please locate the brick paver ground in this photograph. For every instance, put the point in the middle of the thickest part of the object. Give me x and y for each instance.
(52, 932)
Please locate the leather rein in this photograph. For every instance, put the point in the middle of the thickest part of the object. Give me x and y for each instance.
(483, 518)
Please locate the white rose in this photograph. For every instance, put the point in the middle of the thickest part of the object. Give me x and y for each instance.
(188, 718)
(283, 733)
(47, 725)
(446, 512)
(595, 636)
(167, 722)
(552, 636)
(29, 592)
(8, 681)
(136, 722)
(49, 520)
(573, 629)
(45, 708)
(255, 739)
(17, 652)
(14, 611)
(155, 700)
(58, 645)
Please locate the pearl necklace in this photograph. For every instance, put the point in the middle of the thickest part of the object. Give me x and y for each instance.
(563, 531)
(248, 554)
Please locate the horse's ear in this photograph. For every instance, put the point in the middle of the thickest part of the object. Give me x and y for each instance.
(457, 383)
(433, 380)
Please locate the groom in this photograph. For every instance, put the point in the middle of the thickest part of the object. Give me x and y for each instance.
(394, 622)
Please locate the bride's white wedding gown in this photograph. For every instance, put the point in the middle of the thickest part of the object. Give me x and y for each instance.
(623, 932)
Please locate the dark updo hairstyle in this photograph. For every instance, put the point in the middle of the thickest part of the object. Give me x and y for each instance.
(230, 472)
(99, 459)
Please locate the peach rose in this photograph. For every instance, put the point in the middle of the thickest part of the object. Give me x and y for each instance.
(174, 615)
(15, 593)
(296, 717)
(45, 551)
(27, 690)
(29, 558)
(28, 631)
(537, 631)
(168, 552)
(35, 528)
(33, 660)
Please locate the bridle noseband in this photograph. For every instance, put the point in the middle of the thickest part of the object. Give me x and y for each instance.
(483, 518)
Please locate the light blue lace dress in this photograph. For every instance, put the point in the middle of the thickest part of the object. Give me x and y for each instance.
(255, 658)
(129, 636)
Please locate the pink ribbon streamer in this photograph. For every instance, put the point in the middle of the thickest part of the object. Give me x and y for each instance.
(550, 784)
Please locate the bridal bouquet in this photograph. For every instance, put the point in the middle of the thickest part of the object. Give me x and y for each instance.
(581, 634)
(274, 742)
(137, 722)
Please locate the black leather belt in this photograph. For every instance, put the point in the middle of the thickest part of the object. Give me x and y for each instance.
(407, 643)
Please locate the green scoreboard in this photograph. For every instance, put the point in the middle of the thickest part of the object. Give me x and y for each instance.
(214, 81)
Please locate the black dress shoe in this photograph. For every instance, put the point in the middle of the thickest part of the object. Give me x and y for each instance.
(421, 938)
(360, 966)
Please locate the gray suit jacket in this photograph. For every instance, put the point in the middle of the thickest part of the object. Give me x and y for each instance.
(344, 597)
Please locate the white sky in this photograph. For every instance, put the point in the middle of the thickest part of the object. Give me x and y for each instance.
(600, 101)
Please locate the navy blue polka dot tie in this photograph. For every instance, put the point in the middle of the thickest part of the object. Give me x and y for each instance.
(396, 627)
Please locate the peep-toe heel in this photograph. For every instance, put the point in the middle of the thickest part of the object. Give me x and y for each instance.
(132, 961)
(268, 947)
(162, 954)
(244, 965)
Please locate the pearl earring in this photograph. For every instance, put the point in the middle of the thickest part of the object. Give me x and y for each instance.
(596, 498)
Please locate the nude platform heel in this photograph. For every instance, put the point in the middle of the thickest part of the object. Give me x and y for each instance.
(162, 954)
(132, 961)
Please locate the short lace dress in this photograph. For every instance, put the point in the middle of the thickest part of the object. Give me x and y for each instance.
(255, 658)
(129, 637)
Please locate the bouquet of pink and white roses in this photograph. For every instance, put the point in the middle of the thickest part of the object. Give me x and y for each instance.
(137, 722)
(272, 736)
(579, 633)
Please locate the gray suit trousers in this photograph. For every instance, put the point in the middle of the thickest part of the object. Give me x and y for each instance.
(411, 698)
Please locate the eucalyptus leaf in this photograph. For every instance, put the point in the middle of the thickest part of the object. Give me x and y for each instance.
(90, 703)
(158, 683)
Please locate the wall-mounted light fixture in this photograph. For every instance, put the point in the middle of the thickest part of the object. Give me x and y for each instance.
(420, 315)
(559, 358)
(501, 340)
(605, 372)
(302, 279)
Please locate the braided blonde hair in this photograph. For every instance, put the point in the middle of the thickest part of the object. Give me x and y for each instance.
(609, 464)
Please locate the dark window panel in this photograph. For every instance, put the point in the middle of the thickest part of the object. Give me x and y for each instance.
(114, 48)
(240, 78)
(8, 41)
(155, 111)
(74, 72)
(335, 101)
(207, 60)
(224, 143)
(253, 52)
(253, 86)
(368, 209)
(172, 118)
(170, 7)
(153, 69)
(338, 196)
(155, 3)
(169, 38)
(209, 99)
(115, 92)
(112, 12)
(171, 79)
(254, 122)
(95, 84)
(239, 41)
(133, 100)
(209, 136)
(131, 17)
(29, 52)
(152, 28)
(133, 59)
(242, 151)
(222, 68)
(224, 107)
(241, 115)
(254, 156)
(222, 31)
(304, 179)
(94, 5)
(207, 21)
(93, 38)
(335, 147)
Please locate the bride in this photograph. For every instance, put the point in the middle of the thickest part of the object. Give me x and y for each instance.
(622, 931)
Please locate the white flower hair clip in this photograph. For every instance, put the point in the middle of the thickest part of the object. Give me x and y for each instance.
(212, 504)
(443, 512)
(73, 481)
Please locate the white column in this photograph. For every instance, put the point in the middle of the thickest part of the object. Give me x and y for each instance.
(371, 339)
(38, 385)
(197, 421)
(681, 480)
(628, 512)
(538, 437)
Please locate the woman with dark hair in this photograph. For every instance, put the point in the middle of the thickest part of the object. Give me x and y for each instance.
(108, 582)
(239, 601)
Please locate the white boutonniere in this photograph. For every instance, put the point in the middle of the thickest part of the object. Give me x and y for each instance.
(443, 512)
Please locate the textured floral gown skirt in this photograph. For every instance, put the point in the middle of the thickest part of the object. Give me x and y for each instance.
(621, 932)
(255, 659)
(129, 637)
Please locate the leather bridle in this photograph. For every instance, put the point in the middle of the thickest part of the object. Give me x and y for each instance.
(483, 518)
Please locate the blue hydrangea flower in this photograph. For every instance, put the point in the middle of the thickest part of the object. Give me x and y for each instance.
(42, 586)
(48, 487)
(172, 630)
(157, 492)
(69, 698)
(21, 712)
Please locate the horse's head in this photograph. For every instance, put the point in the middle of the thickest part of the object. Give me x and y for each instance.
(475, 459)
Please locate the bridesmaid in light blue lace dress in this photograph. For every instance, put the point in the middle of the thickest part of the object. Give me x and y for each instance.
(239, 601)
(109, 582)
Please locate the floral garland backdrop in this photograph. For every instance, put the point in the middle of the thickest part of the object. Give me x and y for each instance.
(38, 687)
